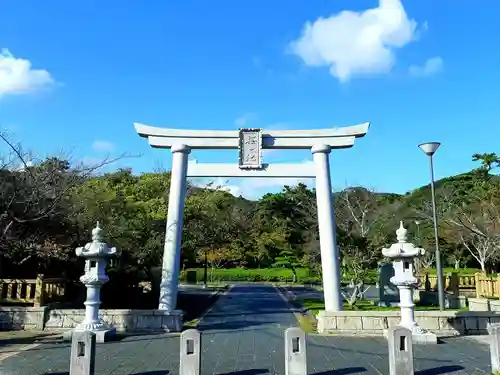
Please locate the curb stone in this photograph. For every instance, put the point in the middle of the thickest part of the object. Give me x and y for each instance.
(302, 312)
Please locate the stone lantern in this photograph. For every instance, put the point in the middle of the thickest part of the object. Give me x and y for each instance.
(96, 254)
(403, 254)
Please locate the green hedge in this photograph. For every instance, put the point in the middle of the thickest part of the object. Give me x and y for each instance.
(446, 270)
(249, 275)
(304, 275)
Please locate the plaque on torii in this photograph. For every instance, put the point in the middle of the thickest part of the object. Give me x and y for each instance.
(250, 148)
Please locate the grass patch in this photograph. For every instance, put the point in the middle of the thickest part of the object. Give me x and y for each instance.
(314, 305)
(307, 324)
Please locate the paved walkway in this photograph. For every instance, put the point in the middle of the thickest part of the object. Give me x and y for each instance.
(243, 335)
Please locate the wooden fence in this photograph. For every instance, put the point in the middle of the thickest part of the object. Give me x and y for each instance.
(452, 282)
(484, 285)
(487, 286)
(31, 291)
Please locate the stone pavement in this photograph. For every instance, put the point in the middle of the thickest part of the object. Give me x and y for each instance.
(243, 335)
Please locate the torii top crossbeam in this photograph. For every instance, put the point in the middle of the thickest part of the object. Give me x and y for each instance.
(271, 139)
(250, 142)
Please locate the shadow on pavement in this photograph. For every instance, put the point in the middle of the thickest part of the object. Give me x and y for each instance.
(26, 339)
(440, 370)
(338, 343)
(257, 312)
(247, 306)
(41, 347)
(234, 325)
(253, 371)
(157, 372)
(142, 336)
(342, 371)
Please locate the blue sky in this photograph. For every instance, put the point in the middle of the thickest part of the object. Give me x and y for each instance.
(76, 75)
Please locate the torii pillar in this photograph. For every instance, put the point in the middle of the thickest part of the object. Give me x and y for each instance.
(330, 257)
(173, 233)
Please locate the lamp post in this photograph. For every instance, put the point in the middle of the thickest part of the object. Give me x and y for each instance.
(429, 149)
(205, 269)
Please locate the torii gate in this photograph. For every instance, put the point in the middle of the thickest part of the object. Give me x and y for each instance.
(250, 142)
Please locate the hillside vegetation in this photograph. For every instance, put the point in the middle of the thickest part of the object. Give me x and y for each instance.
(48, 208)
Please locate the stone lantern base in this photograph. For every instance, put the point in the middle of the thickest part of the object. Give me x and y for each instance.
(137, 321)
(420, 336)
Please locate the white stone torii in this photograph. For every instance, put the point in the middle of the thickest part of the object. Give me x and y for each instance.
(250, 142)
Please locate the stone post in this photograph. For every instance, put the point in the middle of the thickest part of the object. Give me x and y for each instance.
(494, 333)
(454, 284)
(400, 351)
(190, 353)
(295, 352)
(82, 360)
(479, 289)
(173, 234)
(95, 254)
(39, 291)
(330, 259)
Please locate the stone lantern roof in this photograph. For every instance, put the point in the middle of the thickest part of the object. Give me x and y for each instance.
(402, 248)
(96, 248)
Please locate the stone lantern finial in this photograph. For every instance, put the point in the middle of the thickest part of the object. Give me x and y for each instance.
(97, 233)
(402, 233)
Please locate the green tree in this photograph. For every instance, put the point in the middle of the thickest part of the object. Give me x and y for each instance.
(211, 228)
(489, 161)
(287, 259)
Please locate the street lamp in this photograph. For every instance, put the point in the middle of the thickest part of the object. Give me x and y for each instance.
(429, 149)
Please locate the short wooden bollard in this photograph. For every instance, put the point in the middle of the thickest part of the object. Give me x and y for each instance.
(190, 355)
(494, 336)
(82, 353)
(400, 351)
(295, 352)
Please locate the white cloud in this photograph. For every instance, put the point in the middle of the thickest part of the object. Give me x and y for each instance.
(431, 66)
(103, 146)
(219, 184)
(18, 77)
(356, 43)
(255, 187)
